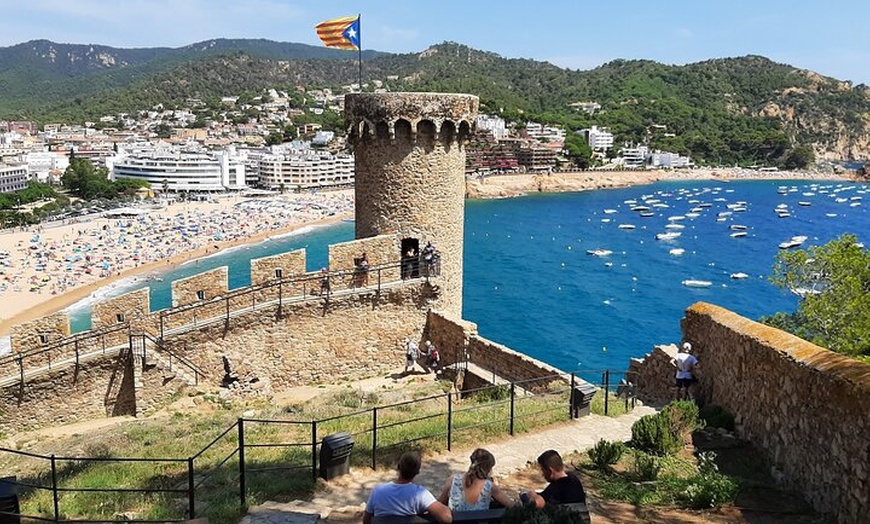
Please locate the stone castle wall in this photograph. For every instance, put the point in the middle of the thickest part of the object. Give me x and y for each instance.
(807, 407)
(39, 332)
(354, 336)
(410, 173)
(458, 339)
(72, 393)
(655, 375)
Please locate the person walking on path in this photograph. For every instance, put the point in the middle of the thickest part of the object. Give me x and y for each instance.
(403, 498)
(686, 364)
(474, 490)
(412, 353)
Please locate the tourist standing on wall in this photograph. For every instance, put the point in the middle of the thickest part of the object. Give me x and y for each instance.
(362, 267)
(686, 364)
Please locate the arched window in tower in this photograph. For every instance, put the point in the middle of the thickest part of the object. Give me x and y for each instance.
(382, 130)
(403, 130)
(448, 132)
(366, 131)
(464, 131)
(426, 131)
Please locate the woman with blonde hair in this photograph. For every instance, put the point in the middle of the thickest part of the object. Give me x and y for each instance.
(474, 490)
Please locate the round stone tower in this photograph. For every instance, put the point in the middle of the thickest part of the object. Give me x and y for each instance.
(410, 174)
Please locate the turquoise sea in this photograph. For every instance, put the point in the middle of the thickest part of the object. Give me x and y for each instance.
(530, 283)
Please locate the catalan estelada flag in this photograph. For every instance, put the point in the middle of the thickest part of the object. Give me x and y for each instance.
(342, 33)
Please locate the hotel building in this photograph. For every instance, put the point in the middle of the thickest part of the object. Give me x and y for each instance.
(182, 171)
(308, 169)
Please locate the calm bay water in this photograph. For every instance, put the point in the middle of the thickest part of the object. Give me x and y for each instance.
(530, 284)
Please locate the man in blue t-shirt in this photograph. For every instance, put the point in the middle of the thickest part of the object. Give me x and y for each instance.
(403, 498)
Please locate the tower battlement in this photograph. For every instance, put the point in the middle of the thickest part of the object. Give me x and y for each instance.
(410, 117)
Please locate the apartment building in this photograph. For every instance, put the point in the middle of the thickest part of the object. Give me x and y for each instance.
(13, 177)
(308, 169)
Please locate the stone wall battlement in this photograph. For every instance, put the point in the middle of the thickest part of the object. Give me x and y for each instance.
(807, 407)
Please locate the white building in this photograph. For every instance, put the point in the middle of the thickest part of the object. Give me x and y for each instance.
(598, 139)
(544, 133)
(13, 177)
(306, 170)
(42, 164)
(634, 157)
(493, 124)
(182, 171)
(667, 160)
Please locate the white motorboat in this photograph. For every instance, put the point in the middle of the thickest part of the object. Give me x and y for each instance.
(793, 242)
(647, 214)
(804, 203)
(677, 251)
(676, 218)
(697, 283)
(693, 215)
(599, 252)
(626, 226)
(674, 226)
(737, 227)
(610, 211)
(670, 235)
(738, 234)
(739, 276)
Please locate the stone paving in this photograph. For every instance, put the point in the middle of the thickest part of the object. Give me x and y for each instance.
(347, 495)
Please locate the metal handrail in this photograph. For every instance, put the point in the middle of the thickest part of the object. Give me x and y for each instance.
(166, 349)
(72, 339)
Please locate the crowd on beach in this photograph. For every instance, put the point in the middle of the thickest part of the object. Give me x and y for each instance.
(53, 260)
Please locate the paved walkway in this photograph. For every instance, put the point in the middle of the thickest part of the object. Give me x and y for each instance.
(349, 493)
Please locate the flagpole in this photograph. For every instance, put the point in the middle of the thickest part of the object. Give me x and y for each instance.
(359, 49)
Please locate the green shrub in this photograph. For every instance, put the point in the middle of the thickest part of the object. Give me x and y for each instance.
(707, 491)
(549, 514)
(652, 433)
(605, 453)
(645, 467)
(492, 394)
(717, 417)
(682, 416)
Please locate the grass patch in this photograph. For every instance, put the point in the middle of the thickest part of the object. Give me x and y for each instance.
(615, 406)
(278, 455)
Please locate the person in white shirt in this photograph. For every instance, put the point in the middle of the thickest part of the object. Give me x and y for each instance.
(686, 364)
(403, 498)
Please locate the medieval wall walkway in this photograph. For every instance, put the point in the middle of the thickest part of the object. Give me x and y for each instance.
(350, 492)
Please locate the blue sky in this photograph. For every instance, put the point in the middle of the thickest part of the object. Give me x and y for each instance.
(828, 37)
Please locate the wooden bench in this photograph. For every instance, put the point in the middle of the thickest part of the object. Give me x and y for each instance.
(484, 516)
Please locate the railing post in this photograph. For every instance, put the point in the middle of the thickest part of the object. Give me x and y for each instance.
(449, 421)
(242, 487)
(572, 401)
(21, 369)
(513, 396)
(161, 326)
(606, 391)
(191, 505)
(54, 489)
(280, 296)
(76, 348)
(379, 281)
(375, 438)
(314, 450)
(227, 300)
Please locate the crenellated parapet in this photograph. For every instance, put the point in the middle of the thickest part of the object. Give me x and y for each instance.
(410, 118)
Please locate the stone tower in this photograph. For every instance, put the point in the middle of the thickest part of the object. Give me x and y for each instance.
(410, 174)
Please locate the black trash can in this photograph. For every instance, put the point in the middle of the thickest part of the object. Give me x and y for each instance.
(335, 452)
(581, 399)
(9, 509)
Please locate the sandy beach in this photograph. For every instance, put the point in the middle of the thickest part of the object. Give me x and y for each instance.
(505, 186)
(45, 269)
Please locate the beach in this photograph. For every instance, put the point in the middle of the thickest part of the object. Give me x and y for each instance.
(511, 185)
(47, 268)
(44, 269)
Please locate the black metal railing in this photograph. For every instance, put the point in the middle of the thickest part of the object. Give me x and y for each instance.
(232, 460)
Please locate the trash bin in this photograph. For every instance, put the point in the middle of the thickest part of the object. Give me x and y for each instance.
(335, 455)
(9, 510)
(581, 399)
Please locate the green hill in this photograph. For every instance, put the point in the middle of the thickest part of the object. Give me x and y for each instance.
(723, 111)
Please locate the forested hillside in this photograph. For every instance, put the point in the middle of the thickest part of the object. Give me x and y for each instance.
(722, 111)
